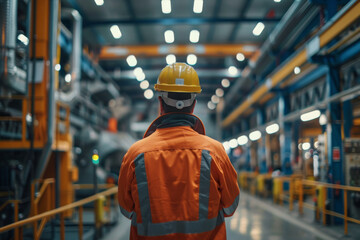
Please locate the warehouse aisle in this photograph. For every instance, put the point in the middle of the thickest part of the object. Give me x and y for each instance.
(253, 220)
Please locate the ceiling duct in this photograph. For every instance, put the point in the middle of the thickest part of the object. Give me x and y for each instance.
(8, 26)
(75, 61)
(294, 21)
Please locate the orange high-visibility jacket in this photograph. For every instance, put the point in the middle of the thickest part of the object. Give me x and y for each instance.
(177, 183)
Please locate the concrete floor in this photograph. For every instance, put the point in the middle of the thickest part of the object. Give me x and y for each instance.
(254, 219)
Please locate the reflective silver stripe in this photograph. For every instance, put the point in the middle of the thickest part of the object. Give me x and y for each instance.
(126, 213)
(187, 227)
(204, 188)
(143, 190)
(232, 208)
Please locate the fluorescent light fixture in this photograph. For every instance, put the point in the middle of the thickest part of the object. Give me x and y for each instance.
(232, 70)
(148, 94)
(169, 36)
(57, 67)
(323, 119)
(277, 0)
(211, 105)
(170, 59)
(215, 99)
(137, 71)
(225, 83)
(273, 128)
(131, 60)
(23, 39)
(305, 146)
(144, 84)
(191, 59)
(68, 78)
(198, 6)
(255, 135)
(310, 115)
(219, 92)
(316, 144)
(297, 70)
(166, 6)
(242, 140)
(115, 31)
(258, 28)
(99, 2)
(194, 36)
(233, 143)
(226, 145)
(240, 57)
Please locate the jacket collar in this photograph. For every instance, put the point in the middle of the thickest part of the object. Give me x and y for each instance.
(174, 120)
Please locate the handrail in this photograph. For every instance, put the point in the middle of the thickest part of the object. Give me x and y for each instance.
(60, 210)
(91, 186)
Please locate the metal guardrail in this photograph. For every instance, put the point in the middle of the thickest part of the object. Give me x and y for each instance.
(48, 214)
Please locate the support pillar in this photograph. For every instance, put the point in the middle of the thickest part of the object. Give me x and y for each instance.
(261, 148)
(285, 135)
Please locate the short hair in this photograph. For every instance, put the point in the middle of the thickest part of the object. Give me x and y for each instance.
(178, 96)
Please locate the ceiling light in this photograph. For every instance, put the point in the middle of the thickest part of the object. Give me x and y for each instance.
(144, 84)
(255, 135)
(131, 60)
(140, 76)
(24, 39)
(166, 6)
(191, 59)
(99, 2)
(323, 119)
(277, 0)
(219, 92)
(68, 78)
(115, 31)
(215, 99)
(194, 36)
(198, 6)
(148, 94)
(297, 70)
(305, 146)
(57, 67)
(316, 144)
(137, 71)
(170, 59)
(233, 143)
(169, 36)
(242, 140)
(211, 105)
(240, 57)
(258, 28)
(232, 70)
(226, 145)
(310, 115)
(273, 128)
(225, 83)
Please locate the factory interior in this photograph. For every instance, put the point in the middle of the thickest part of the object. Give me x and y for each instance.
(280, 90)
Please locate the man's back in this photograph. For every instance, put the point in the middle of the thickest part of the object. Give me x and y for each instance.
(177, 184)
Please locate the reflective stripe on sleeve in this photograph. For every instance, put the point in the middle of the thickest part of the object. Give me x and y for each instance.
(127, 214)
(143, 190)
(232, 208)
(187, 227)
(204, 188)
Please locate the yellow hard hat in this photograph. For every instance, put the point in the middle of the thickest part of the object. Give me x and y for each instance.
(178, 77)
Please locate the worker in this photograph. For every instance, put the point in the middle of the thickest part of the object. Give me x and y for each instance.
(177, 183)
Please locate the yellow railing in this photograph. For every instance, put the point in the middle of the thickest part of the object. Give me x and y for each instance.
(61, 210)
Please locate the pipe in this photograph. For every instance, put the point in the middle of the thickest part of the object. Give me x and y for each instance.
(75, 61)
(53, 27)
(8, 26)
(295, 14)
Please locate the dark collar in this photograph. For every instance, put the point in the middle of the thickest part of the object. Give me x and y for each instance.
(175, 120)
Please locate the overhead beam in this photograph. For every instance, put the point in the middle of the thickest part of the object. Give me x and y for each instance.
(175, 21)
(347, 16)
(119, 52)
